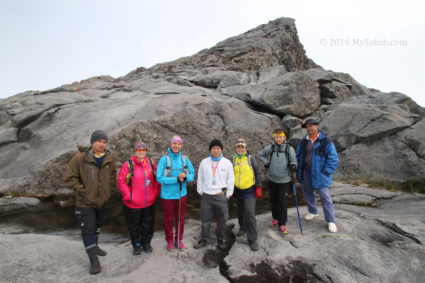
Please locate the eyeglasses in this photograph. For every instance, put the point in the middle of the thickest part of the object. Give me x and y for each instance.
(141, 150)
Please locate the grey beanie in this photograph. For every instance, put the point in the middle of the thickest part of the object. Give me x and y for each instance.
(98, 135)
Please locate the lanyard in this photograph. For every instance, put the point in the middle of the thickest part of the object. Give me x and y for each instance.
(214, 169)
(144, 169)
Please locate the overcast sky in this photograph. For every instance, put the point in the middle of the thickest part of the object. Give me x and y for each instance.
(48, 43)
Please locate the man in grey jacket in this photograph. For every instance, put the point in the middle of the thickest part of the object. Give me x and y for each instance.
(280, 160)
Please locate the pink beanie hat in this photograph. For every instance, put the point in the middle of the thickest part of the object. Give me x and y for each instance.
(176, 138)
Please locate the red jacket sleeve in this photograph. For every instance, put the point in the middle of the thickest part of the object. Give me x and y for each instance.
(157, 185)
(122, 185)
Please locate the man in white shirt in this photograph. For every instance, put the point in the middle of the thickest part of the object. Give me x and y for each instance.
(215, 185)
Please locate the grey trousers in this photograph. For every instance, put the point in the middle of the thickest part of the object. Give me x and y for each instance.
(211, 205)
(246, 217)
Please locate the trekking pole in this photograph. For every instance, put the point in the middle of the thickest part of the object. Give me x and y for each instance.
(296, 203)
(178, 221)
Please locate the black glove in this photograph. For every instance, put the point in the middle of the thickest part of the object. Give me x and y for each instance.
(293, 167)
(267, 165)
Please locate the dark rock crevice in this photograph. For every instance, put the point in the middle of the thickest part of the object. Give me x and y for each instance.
(393, 227)
(215, 257)
(294, 271)
(23, 120)
(390, 226)
(261, 108)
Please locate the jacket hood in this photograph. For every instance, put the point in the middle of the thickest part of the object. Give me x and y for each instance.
(82, 148)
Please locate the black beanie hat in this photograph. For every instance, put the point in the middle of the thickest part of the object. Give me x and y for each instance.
(216, 142)
(98, 135)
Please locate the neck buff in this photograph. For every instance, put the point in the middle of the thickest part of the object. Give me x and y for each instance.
(216, 159)
(240, 156)
(314, 137)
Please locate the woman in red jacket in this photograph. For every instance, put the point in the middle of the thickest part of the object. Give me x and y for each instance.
(139, 189)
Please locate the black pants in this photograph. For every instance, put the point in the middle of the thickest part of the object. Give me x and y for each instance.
(278, 199)
(140, 224)
(90, 220)
(246, 217)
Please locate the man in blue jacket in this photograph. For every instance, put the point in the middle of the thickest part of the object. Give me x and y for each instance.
(317, 160)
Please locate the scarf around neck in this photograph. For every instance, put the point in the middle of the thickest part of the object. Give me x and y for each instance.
(216, 159)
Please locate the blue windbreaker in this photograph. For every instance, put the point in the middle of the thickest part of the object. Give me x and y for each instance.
(170, 187)
(322, 167)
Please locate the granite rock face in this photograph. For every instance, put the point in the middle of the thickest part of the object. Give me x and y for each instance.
(244, 86)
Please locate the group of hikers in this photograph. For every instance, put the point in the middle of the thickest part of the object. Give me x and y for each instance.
(92, 175)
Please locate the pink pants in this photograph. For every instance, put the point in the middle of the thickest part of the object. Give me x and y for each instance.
(171, 211)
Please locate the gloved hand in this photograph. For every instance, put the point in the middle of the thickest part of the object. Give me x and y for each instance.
(267, 165)
(258, 192)
(293, 167)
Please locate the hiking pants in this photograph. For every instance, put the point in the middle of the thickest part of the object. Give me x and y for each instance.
(310, 197)
(140, 224)
(279, 199)
(171, 211)
(246, 217)
(210, 205)
(90, 220)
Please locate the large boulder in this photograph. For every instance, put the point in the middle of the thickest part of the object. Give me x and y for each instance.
(280, 92)
(351, 123)
(396, 157)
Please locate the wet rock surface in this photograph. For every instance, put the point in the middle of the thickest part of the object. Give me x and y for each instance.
(10, 204)
(383, 243)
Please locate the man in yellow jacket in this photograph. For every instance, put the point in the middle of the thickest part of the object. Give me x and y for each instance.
(92, 175)
(247, 189)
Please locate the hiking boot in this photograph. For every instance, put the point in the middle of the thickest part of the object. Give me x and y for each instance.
(170, 246)
(94, 261)
(283, 229)
(310, 216)
(273, 223)
(332, 227)
(137, 249)
(100, 252)
(221, 245)
(254, 246)
(200, 244)
(241, 233)
(147, 248)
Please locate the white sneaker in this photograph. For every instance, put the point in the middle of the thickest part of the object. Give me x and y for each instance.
(310, 216)
(332, 227)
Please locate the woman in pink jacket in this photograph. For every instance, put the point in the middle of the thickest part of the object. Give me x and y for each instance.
(139, 189)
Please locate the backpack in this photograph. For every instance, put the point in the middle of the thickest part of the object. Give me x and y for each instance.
(286, 151)
(168, 167)
(130, 165)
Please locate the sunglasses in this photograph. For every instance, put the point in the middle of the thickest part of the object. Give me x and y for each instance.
(141, 150)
